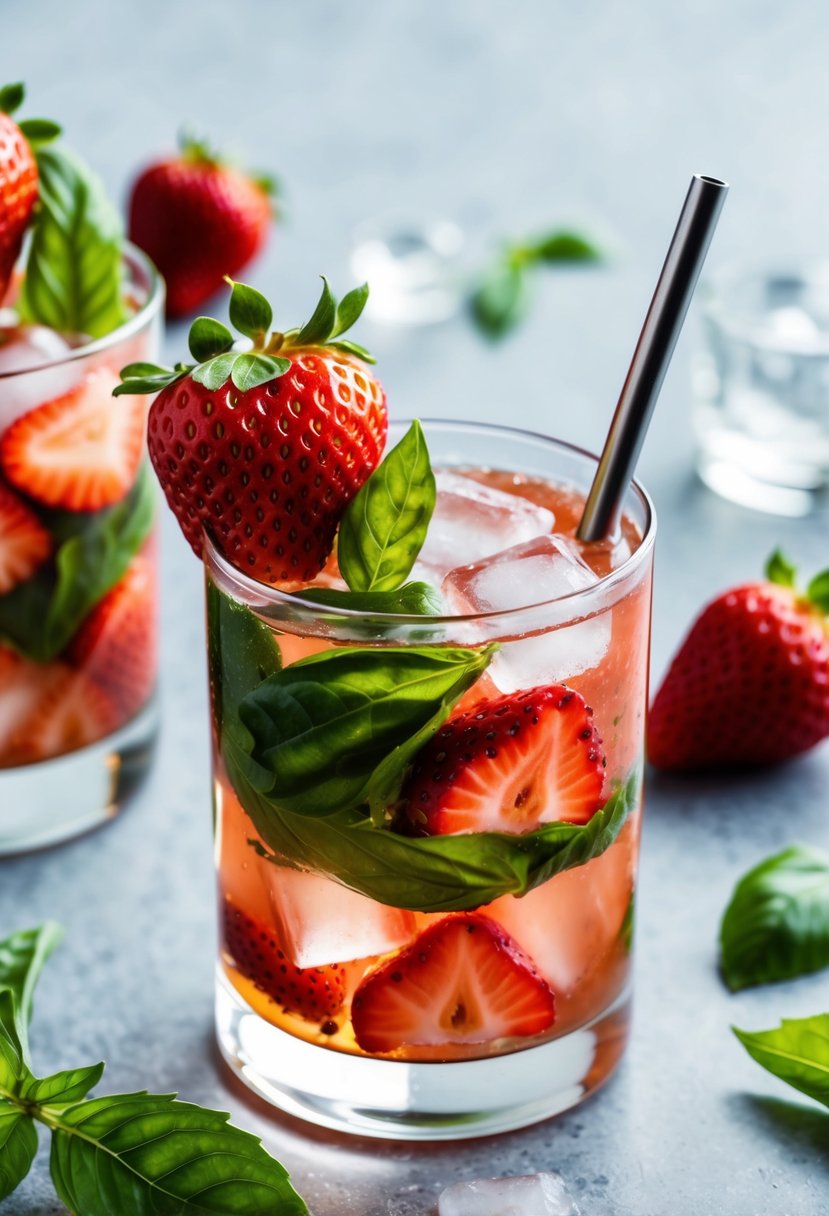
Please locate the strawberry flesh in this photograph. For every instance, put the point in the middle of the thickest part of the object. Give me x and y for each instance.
(48, 710)
(24, 542)
(509, 764)
(464, 980)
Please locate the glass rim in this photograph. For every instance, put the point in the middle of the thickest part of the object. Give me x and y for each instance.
(305, 610)
(131, 255)
(745, 323)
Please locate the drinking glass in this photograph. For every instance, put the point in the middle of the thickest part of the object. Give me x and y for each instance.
(78, 627)
(313, 904)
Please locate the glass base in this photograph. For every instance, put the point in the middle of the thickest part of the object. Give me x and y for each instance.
(396, 1100)
(45, 803)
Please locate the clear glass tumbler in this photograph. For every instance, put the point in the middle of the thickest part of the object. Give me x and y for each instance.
(78, 573)
(326, 915)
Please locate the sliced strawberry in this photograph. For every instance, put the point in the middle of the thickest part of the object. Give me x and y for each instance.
(315, 993)
(80, 451)
(24, 542)
(23, 684)
(58, 710)
(509, 764)
(464, 980)
(117, 645)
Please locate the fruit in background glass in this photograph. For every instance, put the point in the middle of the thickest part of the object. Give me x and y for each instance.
(750, 683)
(199, 218)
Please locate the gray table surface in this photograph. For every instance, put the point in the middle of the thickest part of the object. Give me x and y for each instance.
(504, 118)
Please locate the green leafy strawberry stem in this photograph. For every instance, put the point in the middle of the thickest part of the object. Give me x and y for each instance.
(781, 571)
(36, 130)
(212, 343)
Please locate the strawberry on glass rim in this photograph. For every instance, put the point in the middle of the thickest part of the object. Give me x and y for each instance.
(265, 447)
(18, 176)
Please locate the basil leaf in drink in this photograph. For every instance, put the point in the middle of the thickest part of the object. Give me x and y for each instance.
(327, 729)
(776, 926)
(412, 599)
(141, 1153)
(384, 526)
(73, 277)
(22, 957)
(241, 653)
(18, 1146)
(797, 1052)
(61, 1088)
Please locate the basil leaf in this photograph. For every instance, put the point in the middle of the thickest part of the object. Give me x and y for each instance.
(563, 246)
(326, 730)
(141, 1153)
(22, 957)
(250, 312)
(73, 277)
(384, 526)
(18, 1146)
(318, 330)
(501, 301)
(776, 926)
(62, 1087)
(94, 549)
(13, 1068)
(241, 652)
(797, 1052)
(207, 338)
(412, 599)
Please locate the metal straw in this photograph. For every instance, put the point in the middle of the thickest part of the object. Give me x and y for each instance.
(654, 349)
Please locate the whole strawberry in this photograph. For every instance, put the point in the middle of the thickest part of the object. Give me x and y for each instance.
(18, 176)
(750, 684)
(199, 219)
(265, 448)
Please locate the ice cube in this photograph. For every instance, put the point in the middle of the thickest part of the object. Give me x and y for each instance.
(33, 346)
(531, 573)
(321, 922)
(472, 521)
(525, 1195)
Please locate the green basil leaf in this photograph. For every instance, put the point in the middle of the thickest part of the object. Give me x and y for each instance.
(73, 277)
(13, 1068)
(250, 312)
(18, 1146)
(384, 526)
(434, 873)
(780, 570)
(349, 309)
(208, 338)
(501, 301)
(142, 1153)
(776, 926)
(564, 246)
(241, 653)
(22, 957)
(412, 599)
(249, 371)
(326, 729)
(797, 1052)
(62, 1087)
(318, 330)
(215, 372)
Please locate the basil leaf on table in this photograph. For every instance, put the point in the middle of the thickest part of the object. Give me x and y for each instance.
(61, 1088)
(22, 958)
(18, 1146)
(776, 926)
(797, 1051)
(384, 526)
(73, 277)
(94, 549)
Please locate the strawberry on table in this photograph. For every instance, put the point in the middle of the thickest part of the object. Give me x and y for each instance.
(265, 448)
(81, 451)
(750, 683)
(18, 177)
(24, 542)
(198, 218)
(509, 764)
(464, 980)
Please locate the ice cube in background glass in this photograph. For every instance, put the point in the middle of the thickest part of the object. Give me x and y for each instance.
(531, 573)
(32, 346)
(527, 1195)
(472, 521)
(320, 922)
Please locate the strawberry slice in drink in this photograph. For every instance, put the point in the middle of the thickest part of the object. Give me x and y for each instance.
(463, 981)
(47, 709)
(24, 542)
(509, 764)
(81, 451)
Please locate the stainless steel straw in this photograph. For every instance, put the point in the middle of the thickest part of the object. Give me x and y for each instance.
(654, 349)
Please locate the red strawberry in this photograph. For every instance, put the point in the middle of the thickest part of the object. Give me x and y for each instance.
(59, 710)
(117, 644)
(24, 542)
(464, 980)
(750, 684)
(198, 219)
(18, 184)
(509, 764)
(265, 449)
(80, 451)
(314, 993)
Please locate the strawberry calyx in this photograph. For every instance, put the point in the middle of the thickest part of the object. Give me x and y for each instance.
(212, 344)
(37, 131)
(196, 150)
(782, 573)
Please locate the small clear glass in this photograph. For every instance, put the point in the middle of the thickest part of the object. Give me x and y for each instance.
(78, 711)
(276, 910)
(761, 388)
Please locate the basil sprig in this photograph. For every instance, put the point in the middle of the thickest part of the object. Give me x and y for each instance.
(776, 926)
(126, 1153)
(797, 1051)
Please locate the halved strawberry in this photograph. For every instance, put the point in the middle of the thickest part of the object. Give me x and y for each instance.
(464, 980)
(117, 645)
(315, 993)
(509, 764)
(24, 542)
(55, 710)
(80, 451)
